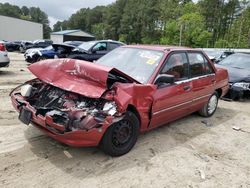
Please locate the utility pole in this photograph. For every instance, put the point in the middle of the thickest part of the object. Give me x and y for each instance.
(180, 41)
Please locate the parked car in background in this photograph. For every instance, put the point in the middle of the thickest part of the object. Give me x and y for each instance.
(217, 55)
(238, 67)
(93, 50)
(130, 90)
(54, 51)
(2, 45)
(13, 46)
(36, 44)
(4, 59)
(25, 45)
(73, 43)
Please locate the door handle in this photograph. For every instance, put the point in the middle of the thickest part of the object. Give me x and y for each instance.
(186, 88)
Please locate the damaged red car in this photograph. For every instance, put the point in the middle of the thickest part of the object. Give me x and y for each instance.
(108, 103)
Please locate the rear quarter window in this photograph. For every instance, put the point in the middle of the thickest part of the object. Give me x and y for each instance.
(199, 65)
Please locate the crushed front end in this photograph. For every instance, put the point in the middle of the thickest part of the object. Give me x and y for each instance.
(65, 116)
(239, 90)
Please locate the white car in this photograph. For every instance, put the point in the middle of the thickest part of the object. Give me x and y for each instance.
(4, 59)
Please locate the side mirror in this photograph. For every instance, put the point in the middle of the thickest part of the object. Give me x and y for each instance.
(94, 50)
(164, 79)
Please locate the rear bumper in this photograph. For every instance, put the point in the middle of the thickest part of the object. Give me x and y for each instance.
(4, 64)
(78, 138)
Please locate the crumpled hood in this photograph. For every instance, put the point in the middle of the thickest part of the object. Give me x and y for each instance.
(236, 74)
(77, 76)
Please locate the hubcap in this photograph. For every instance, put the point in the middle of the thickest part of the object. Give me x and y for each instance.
(212, 104)
(122, 133)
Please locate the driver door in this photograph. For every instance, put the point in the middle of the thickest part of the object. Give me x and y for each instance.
(172, 101)
(99, 50)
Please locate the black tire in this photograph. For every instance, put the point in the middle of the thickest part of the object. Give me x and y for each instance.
(207, 110)
(121, 136)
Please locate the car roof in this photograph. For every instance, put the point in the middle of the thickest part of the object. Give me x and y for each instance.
(160, 47)
(113, 41)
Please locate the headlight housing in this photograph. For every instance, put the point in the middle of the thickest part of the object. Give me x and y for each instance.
(26, 90)
(244, 85)
(110, 108)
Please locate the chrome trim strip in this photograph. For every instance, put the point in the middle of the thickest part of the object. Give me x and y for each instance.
(195, 78)
(196, 99)
(166, 109)
(172, 107)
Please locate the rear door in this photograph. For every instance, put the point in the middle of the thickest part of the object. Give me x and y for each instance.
(172, 101)
(203, 78)
(112, 46)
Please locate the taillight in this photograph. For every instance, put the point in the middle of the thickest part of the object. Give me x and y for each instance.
(2, 47)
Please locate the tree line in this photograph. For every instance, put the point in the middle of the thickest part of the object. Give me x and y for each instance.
(34, 14)
(207, 23)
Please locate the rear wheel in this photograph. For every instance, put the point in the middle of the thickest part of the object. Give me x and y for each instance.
(121, 136)
(210, 107)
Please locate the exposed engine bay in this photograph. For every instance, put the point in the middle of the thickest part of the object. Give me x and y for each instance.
(69, 110)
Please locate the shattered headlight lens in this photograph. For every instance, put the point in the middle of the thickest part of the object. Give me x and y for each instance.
(244, 85)
(26, 90)
(110, 108)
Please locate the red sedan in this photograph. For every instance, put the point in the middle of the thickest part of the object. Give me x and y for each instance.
(132, 89)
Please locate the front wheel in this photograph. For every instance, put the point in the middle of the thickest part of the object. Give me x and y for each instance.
(210, 107)
(121, 136)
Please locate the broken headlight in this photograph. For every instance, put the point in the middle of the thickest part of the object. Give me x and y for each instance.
(244, 85)
(26, 90)
(110, 108)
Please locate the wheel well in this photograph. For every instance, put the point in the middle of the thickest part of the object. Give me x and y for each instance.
(131, 108)
(219, 91)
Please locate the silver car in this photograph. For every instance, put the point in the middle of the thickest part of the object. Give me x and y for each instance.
(4, 59)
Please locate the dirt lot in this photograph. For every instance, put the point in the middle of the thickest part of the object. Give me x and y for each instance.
(185, 153)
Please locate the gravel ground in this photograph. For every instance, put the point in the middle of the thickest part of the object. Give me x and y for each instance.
(186, 153)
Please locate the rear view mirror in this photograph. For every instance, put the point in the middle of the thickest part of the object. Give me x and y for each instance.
(164, 79)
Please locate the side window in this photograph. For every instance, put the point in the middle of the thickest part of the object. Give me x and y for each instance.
(176, 65)
(208, 67)
(112, 46)
(199, 65)
(101, 46)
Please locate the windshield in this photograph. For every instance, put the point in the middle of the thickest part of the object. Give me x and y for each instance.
(137, 63)
(241, 61)
(86, 45)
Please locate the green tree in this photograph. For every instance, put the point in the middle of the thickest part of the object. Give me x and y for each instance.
(39, 16)
(7, 9)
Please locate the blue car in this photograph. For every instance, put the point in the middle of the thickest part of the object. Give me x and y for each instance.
(51, 52)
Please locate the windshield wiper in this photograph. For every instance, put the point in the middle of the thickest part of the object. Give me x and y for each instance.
(118, 78)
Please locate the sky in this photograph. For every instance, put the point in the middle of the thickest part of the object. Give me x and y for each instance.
(58, 10)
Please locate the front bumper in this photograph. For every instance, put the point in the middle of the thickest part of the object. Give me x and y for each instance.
(236, 92)
(78, 138)
(28, 58)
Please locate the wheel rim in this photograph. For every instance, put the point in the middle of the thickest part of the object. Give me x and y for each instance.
(212, 104)
(122, 133)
